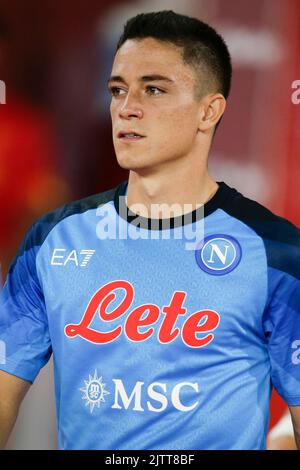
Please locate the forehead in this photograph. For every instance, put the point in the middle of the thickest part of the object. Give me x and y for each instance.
(148, 56)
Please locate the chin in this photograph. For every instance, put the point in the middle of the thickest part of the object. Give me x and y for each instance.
(132, 163)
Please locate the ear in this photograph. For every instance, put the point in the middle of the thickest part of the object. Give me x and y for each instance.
(211, 110)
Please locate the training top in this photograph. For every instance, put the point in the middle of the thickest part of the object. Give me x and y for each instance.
(165, 333)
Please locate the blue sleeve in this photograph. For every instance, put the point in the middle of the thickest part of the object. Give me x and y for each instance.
(282, 329)
(24, 332)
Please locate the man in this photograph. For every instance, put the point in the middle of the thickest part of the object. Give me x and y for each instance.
(170, 303)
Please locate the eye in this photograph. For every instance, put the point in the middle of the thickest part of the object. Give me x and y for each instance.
(151, 88)
(115, 91)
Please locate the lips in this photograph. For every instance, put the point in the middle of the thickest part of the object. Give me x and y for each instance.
(130, 135)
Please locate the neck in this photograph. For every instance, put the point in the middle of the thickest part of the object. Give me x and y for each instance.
(184, 190)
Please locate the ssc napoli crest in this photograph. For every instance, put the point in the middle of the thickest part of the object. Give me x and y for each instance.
(218, 254)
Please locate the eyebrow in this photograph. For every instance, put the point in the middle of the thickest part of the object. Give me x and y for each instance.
(143, 79)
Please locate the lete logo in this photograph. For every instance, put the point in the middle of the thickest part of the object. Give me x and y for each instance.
(202, 322)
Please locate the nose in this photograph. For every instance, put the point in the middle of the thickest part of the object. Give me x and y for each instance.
(131, 108)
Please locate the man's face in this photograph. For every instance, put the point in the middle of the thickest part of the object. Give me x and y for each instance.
(153, 95)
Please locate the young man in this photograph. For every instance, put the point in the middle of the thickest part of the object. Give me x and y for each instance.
(171, 303)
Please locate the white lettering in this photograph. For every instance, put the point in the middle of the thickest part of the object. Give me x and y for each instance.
(2, 352)
(157, 397)
(136, 394)
(296, 354)
(72, 257)
(156, 392)
(55, 256)
(296, 94)
(215, 249)
(2, 92)
(176, 396)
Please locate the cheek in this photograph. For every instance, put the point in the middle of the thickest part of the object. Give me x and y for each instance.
(178, 117)
(177, 126)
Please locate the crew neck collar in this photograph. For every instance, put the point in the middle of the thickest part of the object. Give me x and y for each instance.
(160, 224)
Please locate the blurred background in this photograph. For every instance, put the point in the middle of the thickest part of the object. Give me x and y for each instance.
(55, 130)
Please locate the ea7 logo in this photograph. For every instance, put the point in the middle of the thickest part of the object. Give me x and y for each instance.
(61, 257)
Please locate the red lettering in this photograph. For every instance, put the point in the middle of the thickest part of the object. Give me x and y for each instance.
(101, 299)
(172, 311)
(204, 321)
(134, 321)
(200, 322)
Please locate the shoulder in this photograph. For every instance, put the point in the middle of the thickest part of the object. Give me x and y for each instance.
(41, 228)
(76, 207)
(280, 236)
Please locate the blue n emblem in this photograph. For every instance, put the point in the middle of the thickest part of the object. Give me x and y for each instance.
(218, 254)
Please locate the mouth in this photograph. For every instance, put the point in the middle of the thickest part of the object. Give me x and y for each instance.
(130, 136)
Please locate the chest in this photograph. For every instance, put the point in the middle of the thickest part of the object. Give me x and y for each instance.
(154, 291)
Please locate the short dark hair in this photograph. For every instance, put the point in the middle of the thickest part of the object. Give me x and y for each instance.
(202, 47)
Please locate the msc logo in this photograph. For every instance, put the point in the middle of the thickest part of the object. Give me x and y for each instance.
(155, 397)
(94, 391)
(218, 254)
(61, 257)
